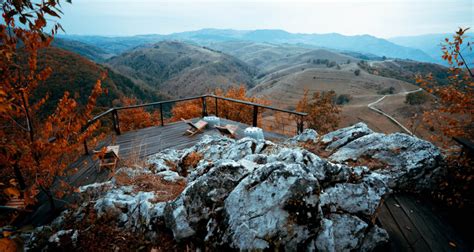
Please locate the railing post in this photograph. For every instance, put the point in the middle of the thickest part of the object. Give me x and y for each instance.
(116, 122)
(217, 111)
(204, 108)
(161, 115)
(255, 115)
(300, 125)
(86, 150)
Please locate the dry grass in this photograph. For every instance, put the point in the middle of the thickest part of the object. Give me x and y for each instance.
(164, 190)
(316, 148)
(189, 162)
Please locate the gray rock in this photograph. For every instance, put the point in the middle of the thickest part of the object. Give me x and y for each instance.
(341, 232)
(277, 204)
(340, 137)
(307, 135)
(374, 238)
(410, 160)
(202, 197)
(362, 198)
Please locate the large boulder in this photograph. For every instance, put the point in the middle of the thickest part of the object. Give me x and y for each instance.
(266, 196)
(278, 204)
(188, 214)
(409, 162)
(340, 137)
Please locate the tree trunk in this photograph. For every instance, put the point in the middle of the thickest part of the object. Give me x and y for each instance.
(19, 176)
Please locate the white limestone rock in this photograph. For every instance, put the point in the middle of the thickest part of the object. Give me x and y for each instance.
(170, 176)
(276, 204)
(307, 135)
(341, 232)
(340, 137)
(410, 160)
(362, 198)
(202, 197)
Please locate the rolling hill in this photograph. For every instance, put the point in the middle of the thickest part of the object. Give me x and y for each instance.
(77, 75)
(89, 51)
(172, 66)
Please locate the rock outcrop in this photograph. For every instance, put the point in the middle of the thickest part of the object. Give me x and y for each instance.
(255, 195)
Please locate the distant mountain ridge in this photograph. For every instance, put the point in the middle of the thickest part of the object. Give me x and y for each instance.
(431, 45)
(360, 43)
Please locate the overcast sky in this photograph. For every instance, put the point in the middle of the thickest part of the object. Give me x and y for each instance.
(382, 18)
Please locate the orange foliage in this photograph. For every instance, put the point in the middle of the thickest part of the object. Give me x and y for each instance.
(137, 118)
(186, 110)
(36, 152)
(226, 109)
(454, 115)
(323, 113)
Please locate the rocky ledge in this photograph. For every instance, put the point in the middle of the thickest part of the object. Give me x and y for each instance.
(255, 195)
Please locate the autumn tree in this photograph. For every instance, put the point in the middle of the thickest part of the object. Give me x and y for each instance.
(452, 116)
(454, 111)
(226, 109)
(136, 118)
(323, 113)
(36, 151)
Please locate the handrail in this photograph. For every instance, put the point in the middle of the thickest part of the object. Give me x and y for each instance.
(258, 105)
(160, 102)
(113, 111)
(211, 96)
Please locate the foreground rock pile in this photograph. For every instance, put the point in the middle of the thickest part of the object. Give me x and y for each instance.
(253, 195)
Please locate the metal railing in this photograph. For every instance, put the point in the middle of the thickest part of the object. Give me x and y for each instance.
(297, 116)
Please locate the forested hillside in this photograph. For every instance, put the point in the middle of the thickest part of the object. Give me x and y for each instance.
(77, 75)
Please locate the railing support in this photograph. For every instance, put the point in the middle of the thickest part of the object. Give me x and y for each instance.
(161, 115)
(255, 116)
(115, 118)
(300, 125)
(217, 111)
(204, 107)
(86, 150)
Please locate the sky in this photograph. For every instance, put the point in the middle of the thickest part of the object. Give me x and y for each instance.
(381, 18)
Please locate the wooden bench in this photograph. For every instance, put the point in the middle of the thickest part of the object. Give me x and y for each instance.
(228, 130)
(195, 127)
(110, 157)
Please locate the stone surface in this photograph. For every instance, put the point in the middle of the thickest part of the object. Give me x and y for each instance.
(251, 194)
(339, 138)
(307, 135)
(410, 161)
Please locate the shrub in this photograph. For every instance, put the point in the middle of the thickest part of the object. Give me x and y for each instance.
(343, 99)
(385, 91)
(416, 98)
(357, 72)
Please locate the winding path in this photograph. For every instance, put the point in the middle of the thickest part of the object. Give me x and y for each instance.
(371, 106)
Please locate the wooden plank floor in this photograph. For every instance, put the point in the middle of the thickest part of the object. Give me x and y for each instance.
(416, 225)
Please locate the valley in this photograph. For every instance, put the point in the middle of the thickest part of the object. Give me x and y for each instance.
(273, 65)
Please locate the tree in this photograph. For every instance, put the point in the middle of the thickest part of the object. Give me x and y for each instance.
(323, 113)
(136, 118)
(343, 99)
(226, 109)
(36, 151)
(357, 72)
(454, 113)
(453, 116)
(416, 98)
